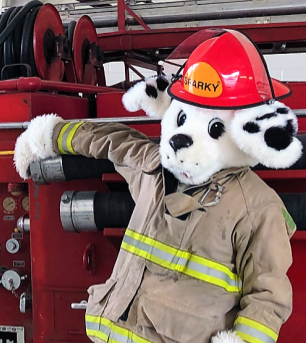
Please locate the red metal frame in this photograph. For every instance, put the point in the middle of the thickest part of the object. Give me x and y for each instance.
(61, 266)
(165, 38)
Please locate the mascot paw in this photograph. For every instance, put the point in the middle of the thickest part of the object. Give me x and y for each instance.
(35, 143)
(150, 96)
(267, 133)
(23, 156)
(226, 337)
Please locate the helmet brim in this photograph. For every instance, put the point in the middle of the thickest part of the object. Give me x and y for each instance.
(281, 90)
(177, 92)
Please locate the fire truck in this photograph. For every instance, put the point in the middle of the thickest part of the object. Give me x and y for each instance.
(60, 231)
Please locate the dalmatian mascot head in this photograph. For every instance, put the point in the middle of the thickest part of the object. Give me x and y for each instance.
(222, 112)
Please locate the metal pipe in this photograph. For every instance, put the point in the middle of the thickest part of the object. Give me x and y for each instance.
(122, 120)
(23, 224)
(33, 84)
(154, 14)
(67, 168)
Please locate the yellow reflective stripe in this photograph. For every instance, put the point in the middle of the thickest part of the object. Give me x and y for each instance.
(151, 241)
(147, 256)
(181, 254)
(258, 333)
(211, 279)
(128, 335)
(60, 138)
(98, 334)
(64, 140)
(248, 338)
(92, 319)
(181, 261)
(214, 265)
(71, 135)
(257, 326)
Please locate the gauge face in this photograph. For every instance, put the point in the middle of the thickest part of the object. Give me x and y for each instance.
(25, 204)
(9, 205)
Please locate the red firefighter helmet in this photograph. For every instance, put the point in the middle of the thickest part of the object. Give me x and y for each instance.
(224, 71)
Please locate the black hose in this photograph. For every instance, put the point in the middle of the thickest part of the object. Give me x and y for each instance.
(113, 209)
(80, 167)
(16, 38)
(3, 22)
(17, 19)
(25, 41)
(8, 48)
(71, 28)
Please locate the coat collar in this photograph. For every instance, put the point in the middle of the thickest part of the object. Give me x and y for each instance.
(179, 204)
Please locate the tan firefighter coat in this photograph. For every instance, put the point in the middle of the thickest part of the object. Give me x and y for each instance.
(192, 262)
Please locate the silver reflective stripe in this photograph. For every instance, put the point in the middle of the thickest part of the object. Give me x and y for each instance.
(254, 333)
(92, 326)
(119, 338)
(213, 272)
(107, 331)
(152, 250)
(104, 329)
(65, 138)
(181, 261)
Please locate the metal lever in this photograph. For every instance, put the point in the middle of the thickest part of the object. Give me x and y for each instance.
(79, 306)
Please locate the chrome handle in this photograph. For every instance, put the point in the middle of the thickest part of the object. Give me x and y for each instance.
(79, 306)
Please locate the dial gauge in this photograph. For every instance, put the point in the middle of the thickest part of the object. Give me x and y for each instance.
(25, 204)
(9, 205)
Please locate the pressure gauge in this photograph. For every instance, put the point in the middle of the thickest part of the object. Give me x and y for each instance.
(9, 205)
(25, 204)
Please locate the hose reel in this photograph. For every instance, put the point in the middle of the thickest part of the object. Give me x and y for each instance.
(33, 42)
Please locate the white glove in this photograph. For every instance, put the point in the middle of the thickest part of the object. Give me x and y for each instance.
(35, 143)
(227, 337)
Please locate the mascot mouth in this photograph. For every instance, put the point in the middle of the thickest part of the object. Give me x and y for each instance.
(186, 175)
(183, 175)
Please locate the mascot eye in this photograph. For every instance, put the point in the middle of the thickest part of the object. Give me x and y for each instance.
(181, 118)
(216, 128)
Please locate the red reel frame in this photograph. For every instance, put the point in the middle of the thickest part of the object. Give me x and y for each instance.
(87, 54)
(50, 45)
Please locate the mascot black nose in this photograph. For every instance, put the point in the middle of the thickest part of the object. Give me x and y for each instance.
(178, 142)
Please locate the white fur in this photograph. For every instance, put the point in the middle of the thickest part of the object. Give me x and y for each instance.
(227, 337)
(206, 156)
(23, 156)
(254, 144)
(35, 143)
(136, 99)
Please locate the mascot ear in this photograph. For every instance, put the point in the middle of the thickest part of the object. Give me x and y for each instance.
(267, 133)
(149, 95)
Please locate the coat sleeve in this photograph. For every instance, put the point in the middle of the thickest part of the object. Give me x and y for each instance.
(131, 151)
(263, 259)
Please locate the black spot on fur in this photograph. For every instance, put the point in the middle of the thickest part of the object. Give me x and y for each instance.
(282, 110)
(162, 83)
(267, 116)
(251, 127)
(151, 91)
(290, 128)
(277, 138)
